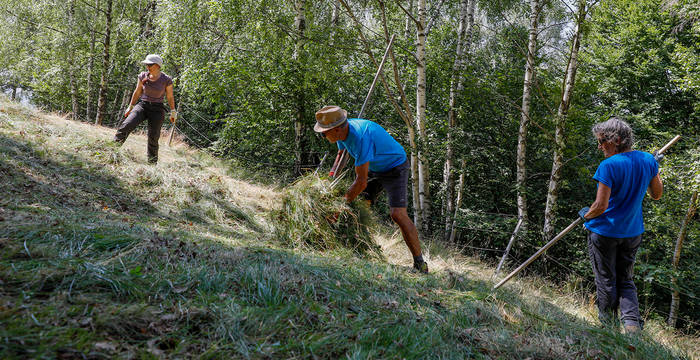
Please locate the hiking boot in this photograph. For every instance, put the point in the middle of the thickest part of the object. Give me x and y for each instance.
(421, 267)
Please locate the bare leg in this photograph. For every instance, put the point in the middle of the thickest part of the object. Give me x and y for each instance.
(408, 229)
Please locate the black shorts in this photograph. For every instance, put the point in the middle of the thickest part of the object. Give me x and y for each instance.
(394, 181)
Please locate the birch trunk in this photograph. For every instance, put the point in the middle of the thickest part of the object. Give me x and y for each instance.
(525, 113)
(90, 67)
(423, 166)
(559, 125)
(460, 191)
(105, 66)
(455, 88)
(299, 138)
(71, 67)
(675, 296)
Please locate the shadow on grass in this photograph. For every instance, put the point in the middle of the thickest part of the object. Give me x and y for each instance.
(178, 298)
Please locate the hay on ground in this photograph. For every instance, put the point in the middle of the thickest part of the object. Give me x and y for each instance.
(307, 206)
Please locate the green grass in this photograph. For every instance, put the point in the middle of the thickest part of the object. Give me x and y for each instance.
(104, 256)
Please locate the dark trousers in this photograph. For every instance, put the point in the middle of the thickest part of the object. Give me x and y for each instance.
(613, 266)
(155, 113)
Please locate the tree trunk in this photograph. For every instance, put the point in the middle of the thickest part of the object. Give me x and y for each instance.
(409, 21)
(300, 146)
(105, 66)
(675, 296)
(460, 191)
(455, 88)
(90, 67)
(525, 113)
(14, 93)
(559, 125)
(423, 166)
(72, 67)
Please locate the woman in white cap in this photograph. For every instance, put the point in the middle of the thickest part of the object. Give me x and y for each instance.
(147, 103)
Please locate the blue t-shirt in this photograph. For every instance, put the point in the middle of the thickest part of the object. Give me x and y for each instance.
(367, 141)
(628, 175)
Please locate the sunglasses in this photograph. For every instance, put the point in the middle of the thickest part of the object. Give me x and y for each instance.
(601, 141)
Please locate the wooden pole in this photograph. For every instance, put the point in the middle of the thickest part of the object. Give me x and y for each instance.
(344, 156)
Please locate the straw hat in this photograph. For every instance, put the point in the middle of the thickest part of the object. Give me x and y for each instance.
(330, 117)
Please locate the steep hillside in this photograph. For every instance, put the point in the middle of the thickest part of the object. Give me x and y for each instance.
(103, 256)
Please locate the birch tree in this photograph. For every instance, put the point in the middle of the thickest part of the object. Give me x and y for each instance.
(466, 21)
(102, 98)
(560, 124)
(91, 65)
(299, 128)
(521, 174)
(675, 295)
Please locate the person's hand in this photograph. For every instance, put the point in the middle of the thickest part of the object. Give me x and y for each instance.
(658, 157)
(128, 110)
(583, 212)
(146, 79)
(173, 116)
(333, 218)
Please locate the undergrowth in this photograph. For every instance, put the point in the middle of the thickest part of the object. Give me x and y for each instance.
(105, 256)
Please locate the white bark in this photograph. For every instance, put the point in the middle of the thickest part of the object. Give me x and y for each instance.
(675, 296)
(105, 66)
(559, 125)
(423, 166)
(299, 148)
(90, 67)
(460, 191)
(525, 113)
(455, 88)
(72, 66)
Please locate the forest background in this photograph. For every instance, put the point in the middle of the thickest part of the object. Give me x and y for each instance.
(494, 102)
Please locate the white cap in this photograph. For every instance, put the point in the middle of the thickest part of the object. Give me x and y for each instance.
(153, 59)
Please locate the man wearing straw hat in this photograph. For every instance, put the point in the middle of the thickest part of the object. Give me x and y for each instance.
(380, 163)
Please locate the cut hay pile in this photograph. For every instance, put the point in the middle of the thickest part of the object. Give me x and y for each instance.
(308, 205)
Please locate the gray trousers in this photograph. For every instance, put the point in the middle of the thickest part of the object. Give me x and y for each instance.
(155, 113)
(613, 266)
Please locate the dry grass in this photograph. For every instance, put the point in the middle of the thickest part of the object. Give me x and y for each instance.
(103, 255)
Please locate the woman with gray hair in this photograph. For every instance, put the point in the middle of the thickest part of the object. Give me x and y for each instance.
(615, 223)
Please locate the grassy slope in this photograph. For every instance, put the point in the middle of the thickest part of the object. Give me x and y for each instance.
(102, 255)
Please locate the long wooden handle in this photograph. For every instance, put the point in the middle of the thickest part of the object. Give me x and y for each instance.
(344, 157)
(670, 143)
(539, 252)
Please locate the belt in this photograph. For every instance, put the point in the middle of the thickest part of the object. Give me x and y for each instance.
(152, 103)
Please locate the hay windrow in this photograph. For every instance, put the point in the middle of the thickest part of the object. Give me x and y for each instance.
(307, 206)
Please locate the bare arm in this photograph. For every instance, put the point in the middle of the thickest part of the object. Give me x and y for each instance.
(169, 95)
(602, 197)
(360, 183)
(656, 188)
(171, 102)
(135, 96)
